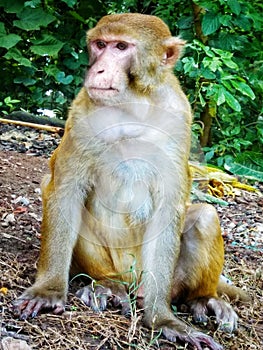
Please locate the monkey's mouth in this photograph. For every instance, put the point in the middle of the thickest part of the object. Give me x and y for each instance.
(96, 89)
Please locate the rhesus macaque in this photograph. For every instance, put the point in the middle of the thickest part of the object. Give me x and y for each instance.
(119, 188)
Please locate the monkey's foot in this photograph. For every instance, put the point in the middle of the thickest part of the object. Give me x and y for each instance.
(98, 296)
(197, 339)
(31, 303)
(225, 315)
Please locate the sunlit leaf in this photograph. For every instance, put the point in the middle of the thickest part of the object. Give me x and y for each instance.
(243, 88)
(232, 102)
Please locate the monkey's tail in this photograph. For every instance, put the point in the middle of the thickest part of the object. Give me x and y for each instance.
(233, 292)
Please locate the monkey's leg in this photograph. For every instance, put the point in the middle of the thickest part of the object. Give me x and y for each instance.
(199, 267)
(98, 295)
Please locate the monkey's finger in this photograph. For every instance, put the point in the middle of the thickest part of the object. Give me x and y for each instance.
(30, 309)
(59, 308)
(37, 307)
(126, 309)
(19, 305)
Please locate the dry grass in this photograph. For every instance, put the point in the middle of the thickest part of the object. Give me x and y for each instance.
(80, 328)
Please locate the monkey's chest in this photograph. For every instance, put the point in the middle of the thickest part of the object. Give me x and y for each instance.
(115, 218)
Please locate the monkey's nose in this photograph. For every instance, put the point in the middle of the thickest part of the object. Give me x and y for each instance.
(101, 71)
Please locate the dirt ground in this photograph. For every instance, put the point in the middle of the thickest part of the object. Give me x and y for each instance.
(79, 327)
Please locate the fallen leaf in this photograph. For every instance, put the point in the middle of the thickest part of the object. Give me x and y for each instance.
(20, 210)
(3, 290)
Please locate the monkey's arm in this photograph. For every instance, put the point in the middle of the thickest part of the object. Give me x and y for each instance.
(62, 204)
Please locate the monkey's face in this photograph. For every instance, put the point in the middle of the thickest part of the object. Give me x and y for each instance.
(107, 78)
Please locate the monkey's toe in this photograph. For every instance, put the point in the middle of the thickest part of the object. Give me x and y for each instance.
(95, 297)
(195, 338)
(225, 315)
(198, 309)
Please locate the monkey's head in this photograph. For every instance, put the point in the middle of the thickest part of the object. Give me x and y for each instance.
(129, 53)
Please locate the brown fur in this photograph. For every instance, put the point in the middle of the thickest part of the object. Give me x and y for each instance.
(118, 189)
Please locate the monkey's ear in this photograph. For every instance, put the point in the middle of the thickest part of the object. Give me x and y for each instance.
(174, 47)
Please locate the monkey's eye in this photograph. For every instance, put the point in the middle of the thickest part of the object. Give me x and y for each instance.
(122, 46)
(100, 44)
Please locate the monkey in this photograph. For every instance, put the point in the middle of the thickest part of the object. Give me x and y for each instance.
(118, 191)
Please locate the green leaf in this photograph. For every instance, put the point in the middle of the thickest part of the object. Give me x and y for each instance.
(16, 55)
(185, 22)
(223, 53)
(209, 155)
(25, 81)
(212, 63)
(229, 63)
(227, 84)
(226, 20)
(243, 88)
(71, 63)
(247, 164)
(12, 6)
(9, 40)
(189, 64)
(2, 29)
(231, 101)
(227, 40)
(220, 95)
(33, 4)
(210, 23)
(196, 193)
(9, 101)
(242, 22)
(61, 78)
(70, 3)
(234, 6)
(227, 76)
(202, 101)
(77, 16)
(207, 73)
(33, 19)
(51, 70)
(47, 45)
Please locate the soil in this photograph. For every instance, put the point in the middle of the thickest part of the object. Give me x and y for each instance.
(23, 162)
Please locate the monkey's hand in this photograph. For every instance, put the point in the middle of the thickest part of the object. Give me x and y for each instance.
(98, 296)
(198, 340)
(35, 299)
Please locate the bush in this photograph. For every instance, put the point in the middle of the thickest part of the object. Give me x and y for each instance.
(43, 60)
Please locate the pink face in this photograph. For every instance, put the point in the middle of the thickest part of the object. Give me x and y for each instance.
(110, 62)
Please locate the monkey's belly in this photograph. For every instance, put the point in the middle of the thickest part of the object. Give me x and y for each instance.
(102, 262)
(108, 246)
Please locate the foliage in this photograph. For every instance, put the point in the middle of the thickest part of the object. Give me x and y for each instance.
(9, 104)
(42, 47)
(43, 60)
